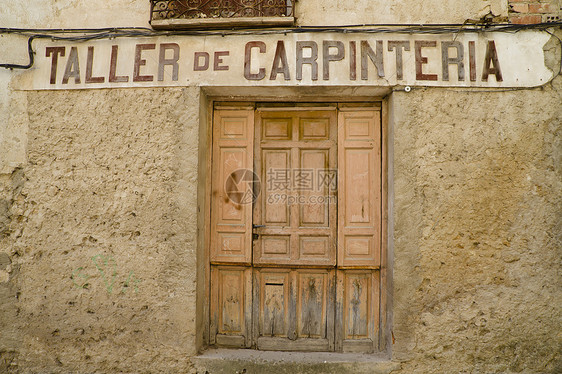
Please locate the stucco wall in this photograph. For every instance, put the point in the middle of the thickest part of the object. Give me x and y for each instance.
(100, 228)
(100, 13)
(478, 190)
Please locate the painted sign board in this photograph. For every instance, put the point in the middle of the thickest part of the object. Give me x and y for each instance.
(299, 59)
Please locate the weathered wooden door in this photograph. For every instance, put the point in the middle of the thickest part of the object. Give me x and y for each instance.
(295, 216)
(296, 266)
(359, 229)
(231, 228)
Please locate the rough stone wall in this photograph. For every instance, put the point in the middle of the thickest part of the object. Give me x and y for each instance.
(98, 233)
(478, 239)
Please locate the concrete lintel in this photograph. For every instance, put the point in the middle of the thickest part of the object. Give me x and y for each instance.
(300, 93)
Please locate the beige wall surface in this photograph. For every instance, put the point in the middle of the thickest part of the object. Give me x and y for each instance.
(102, 13)
(100, 231)
(477, 240)
(99, 213)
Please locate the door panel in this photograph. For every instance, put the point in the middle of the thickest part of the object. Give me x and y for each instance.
(313, 303)
(277, 128)
(312, 213)
(277, 164)
(314, 129)
(230, 159)
(315, 248)
(293, 150)
(294, 309)
(231, 301)
(231, 221)
(272, 313)
(357, 314)
(359, 189)
(359, 236)
(273, 249)
(274, 303)
(299, 218)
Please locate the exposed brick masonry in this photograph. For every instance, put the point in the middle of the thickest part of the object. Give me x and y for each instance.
(535, 11)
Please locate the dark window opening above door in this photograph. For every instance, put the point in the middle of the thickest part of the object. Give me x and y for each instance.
(221, 13)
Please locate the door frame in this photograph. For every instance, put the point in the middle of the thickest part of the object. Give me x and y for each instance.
(203, 291)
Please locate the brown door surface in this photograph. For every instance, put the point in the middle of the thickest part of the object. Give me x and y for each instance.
(359, 229)
(298, 267)
(230, 249)
(295, 216)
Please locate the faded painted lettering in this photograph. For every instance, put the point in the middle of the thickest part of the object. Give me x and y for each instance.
(353, 60)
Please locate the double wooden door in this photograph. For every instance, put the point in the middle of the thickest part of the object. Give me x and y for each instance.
(295, 228)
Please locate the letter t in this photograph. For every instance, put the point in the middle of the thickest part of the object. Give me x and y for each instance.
(54, 51)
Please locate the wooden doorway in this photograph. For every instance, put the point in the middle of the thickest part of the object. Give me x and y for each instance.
(296, 228)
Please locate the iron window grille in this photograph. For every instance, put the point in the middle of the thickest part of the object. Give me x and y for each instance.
(186, 13)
